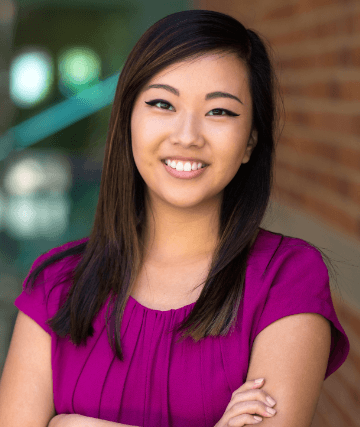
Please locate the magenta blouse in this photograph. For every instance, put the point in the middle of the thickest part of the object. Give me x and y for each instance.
(162, 383)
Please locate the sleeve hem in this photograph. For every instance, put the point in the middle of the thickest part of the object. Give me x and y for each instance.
(31, 312)
(340, 346)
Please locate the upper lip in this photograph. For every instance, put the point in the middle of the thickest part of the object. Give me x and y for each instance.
(189, 159)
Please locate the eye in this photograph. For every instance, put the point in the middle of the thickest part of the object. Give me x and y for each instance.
(227, 112)
(160, 101)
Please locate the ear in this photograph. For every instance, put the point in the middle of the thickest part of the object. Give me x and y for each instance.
(251, 145)
(253, 139)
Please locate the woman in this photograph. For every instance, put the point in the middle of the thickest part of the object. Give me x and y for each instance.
(177, 251)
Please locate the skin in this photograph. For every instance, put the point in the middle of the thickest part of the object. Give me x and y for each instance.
(187, 212)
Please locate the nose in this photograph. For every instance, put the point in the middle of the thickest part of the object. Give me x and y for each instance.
(187, 132)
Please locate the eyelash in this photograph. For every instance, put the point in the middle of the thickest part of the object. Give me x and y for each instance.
(228, 113)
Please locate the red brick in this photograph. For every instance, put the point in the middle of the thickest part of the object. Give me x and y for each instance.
(345, 156)
(354, 54)
(348, 422)
(349, 125)
(333, 89)
(350, 158)
(338, 26)
(350, 91)
(282, 12)
(345, 56)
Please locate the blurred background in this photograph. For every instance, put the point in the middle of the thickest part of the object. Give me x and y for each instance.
(59, 65)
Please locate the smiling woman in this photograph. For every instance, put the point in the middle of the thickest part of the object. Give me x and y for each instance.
(202, 298)
(188, 202)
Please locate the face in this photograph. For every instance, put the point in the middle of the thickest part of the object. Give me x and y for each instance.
(216, 130)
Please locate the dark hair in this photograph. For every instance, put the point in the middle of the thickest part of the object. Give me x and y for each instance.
(113, 255)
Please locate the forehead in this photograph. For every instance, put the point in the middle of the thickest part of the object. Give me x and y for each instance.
(210, 72)
(214, 64)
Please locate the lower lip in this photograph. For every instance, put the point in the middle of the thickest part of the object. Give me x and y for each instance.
(183, 175)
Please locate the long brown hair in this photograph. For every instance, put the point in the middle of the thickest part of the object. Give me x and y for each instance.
(112, 257)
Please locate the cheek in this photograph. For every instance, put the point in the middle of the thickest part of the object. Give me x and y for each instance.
(136, 125)
(231, 150)
(143, 132)
(137, 148)
(230, 172)
(223, 172)
(229, 165)
(137, 134)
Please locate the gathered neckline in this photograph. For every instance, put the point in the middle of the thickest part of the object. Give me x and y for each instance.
(161, 311)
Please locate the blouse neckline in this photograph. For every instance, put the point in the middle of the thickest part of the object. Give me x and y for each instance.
(161, 311)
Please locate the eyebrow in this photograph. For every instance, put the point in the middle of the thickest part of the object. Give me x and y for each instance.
(211, 95)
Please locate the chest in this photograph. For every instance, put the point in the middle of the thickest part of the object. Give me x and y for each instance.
(169, 287)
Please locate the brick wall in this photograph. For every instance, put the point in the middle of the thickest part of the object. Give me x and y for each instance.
(317, 58)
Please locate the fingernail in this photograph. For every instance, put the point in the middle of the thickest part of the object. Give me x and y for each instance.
(271, 401)
(271, 411)
(260, 380)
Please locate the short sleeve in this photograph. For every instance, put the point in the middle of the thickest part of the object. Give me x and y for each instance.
(33, 302)
(299, 283)
(45, 298)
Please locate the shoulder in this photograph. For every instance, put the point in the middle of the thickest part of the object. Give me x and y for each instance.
(52, 257)
(47, 284)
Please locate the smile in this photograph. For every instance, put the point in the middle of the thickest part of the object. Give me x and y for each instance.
(184, 174)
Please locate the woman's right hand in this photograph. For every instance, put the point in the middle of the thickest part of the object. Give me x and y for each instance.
(55, 421)
(245, 401)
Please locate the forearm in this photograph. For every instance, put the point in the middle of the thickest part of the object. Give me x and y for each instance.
(75, 420)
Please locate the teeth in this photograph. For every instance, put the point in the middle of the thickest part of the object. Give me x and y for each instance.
(187, 167)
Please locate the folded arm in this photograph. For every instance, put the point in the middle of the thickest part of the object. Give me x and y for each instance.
(75, 420)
